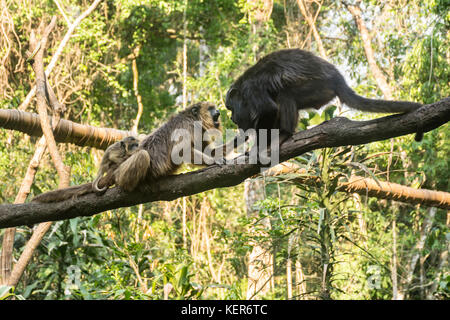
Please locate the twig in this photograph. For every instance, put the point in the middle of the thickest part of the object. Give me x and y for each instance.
(58, 52)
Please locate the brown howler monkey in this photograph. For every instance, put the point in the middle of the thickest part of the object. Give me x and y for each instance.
(269, 94)
(155, 157)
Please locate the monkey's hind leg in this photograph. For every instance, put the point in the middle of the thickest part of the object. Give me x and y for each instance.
(132, 171)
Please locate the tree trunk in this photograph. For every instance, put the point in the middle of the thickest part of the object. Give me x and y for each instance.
(260, 261)
(366, 40)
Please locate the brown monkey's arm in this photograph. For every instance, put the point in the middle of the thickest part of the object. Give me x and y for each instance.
(224, 150)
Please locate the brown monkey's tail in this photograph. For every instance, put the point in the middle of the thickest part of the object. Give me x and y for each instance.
(95, 183)
(133, 170)
(63, 194)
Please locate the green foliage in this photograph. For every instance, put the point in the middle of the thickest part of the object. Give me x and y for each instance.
(7, 292)
(342, 243)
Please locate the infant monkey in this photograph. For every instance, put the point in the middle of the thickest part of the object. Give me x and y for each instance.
(114, 155)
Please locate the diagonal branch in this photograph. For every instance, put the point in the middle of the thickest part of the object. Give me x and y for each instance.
(44, 96)
(58, 52)
(355, 10)
(333, 133)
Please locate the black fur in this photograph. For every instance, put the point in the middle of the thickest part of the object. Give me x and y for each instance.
(269, 94)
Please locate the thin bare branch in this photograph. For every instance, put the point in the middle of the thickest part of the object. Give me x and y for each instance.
(58, 52)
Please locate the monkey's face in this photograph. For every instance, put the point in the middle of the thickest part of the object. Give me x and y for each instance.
(130, 144)
(240, 114)
(207, 113)
(215, 115)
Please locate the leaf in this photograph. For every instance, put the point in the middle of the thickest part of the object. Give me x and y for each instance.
(328, 113)
(5, 292)
(29, 288)
(315, 119)
(73, 225)
(321, 217)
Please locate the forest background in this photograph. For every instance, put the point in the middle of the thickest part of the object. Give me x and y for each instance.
(130, 64)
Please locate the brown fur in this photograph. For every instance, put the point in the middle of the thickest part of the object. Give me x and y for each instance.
(154, 159)
(130, 172)
(150, 160)
(63, 194)
(114, 155)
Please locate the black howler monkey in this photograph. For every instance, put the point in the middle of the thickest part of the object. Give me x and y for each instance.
(269, 94)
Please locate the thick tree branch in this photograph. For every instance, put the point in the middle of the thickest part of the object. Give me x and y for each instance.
(368, 187)
(65, 131)
(333, 133)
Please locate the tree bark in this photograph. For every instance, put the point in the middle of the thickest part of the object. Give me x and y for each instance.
(367, 44)
(44, 95)
(394, 273)
(25, 187)
(136, 90)
(260, 260)
(370, 187)
(333, 133)
(397, 192)
(418, 248)
(66, 131)
(312, 24)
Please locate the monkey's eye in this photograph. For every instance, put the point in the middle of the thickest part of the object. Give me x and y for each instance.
(195, 111)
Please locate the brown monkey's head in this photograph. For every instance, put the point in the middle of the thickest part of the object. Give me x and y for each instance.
(207, 113)
(130, 144)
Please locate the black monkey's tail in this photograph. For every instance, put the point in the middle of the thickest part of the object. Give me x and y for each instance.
(350, 98)
(133, 170)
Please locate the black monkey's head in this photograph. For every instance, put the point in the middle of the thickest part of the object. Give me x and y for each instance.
(240, 114)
